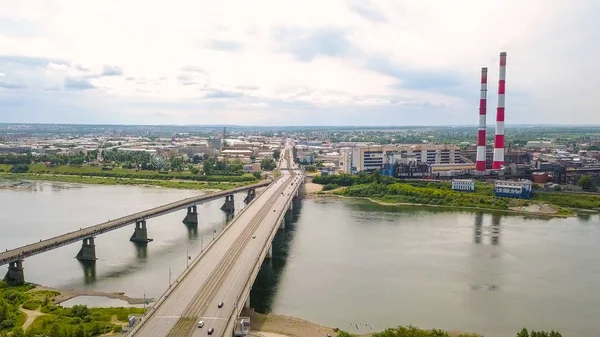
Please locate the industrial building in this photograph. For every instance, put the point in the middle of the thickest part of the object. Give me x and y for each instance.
(463, 184)
(371, 158)
(513, 189)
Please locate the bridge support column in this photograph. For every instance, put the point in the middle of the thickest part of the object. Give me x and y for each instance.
(140, 235)
(247, 304)
(250, 196)
(282, 224)
(192, 216)
(87, 251)
(229, 205)
(269, 252)
(15, 274)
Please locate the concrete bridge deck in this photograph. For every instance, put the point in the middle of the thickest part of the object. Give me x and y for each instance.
(225, 271)
(17, 254)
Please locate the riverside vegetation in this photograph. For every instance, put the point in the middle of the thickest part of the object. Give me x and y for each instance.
(54, 320)
(411, 331)
(392, 190)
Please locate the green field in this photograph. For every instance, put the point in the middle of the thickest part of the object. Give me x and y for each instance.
(390, 190)
(120, 176)
(55, 320)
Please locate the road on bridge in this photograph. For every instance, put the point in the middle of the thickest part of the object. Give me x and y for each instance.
(222, 271)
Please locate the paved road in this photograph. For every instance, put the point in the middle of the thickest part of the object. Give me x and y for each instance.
(76, 236)
(221, 272)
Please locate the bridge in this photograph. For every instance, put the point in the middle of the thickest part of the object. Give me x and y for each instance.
(14, 257)
(215, 288)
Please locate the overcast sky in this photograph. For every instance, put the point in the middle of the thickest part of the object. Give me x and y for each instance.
(306, 62)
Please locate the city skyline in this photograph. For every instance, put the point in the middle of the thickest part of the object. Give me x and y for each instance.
(307, 63)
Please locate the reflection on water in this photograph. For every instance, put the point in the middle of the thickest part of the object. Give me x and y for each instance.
(265, 286)
(352, 262)
(89, 271)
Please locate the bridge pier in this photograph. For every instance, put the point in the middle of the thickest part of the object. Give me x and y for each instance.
(140, 235)
(282, 224)
(15, 274)
(87, 251)
(229, 205)
(247, 304)
(192, 216)
(250, 196)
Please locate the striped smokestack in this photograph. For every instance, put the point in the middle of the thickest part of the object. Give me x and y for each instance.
(499, 139)
(480, 163)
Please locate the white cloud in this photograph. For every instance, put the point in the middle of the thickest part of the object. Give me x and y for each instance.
(2, 74)
(410, 61)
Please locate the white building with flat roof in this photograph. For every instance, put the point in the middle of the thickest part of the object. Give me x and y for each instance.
(463, 184)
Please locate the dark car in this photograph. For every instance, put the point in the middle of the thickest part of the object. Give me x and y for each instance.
(211, 330)
(220, 305)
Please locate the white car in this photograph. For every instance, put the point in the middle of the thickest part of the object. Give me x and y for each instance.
(200, 324)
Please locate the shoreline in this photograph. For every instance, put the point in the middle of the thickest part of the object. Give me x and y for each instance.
(489, 210)
(274, 325)
(111, 181)
(67, 294)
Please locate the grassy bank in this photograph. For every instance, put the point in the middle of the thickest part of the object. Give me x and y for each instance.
(393, 191)
(98, 171)
(54, 320)
(193, 185)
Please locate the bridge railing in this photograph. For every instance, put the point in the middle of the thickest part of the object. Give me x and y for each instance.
(150, 312)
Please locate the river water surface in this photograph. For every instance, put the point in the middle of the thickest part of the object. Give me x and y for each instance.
(342, 263)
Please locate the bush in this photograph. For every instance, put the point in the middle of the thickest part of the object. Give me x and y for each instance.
(31, 305)
(330, 187)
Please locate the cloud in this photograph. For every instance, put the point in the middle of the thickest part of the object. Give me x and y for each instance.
(223, 94)
(306, 44)
(224, 45)
(414, 79)
(78, 83)
(247, 87)
(111, 70)
(8, 84)
(2, 74)
(378, 62)
(367, 11)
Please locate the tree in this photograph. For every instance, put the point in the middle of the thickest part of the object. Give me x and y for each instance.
(80, 332)
(523, 333)
(268, 164)
(586, 182)
(18, 332)
(256, 175)
(194, 170)
(54, 331)
(80, 311)
(252, 158)
(19, 168)
(276, 154)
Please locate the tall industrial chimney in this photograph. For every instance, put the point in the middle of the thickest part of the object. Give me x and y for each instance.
(480, 163)
(499, 138)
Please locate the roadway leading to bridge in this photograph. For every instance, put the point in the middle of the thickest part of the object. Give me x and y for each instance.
(222, 271)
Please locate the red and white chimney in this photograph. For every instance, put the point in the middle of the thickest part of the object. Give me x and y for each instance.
(499, 138)
(480, 162)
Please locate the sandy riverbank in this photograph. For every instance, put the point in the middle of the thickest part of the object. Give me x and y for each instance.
(272, 325)
(312, 188)
(67, 294)
(541, 210)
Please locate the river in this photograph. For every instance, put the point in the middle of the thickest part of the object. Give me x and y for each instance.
(343, 263)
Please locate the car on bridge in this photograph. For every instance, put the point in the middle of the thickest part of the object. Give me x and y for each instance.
(211, 330)
(220, 305)
(200, 324)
